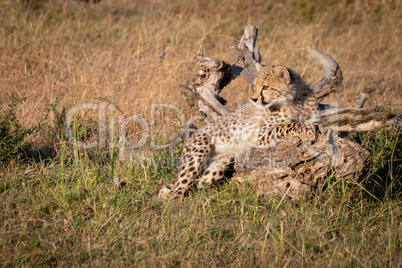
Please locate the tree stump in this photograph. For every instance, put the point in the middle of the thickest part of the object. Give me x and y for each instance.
(292, 167)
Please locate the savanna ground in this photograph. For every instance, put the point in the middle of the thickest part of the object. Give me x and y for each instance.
(59, 204)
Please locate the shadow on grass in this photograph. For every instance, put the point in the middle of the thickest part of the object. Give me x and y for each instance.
(384, 180)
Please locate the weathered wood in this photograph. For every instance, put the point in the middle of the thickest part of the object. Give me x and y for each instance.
(332, 81)
(357, 120)
(362, 98)
(213, 76)
(207, 110)
(246, 54)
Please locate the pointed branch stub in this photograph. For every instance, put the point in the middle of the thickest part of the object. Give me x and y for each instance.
(333, 79)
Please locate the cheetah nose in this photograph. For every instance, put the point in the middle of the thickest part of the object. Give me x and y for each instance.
(254, 99)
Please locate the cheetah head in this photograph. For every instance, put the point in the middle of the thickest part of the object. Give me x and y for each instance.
(273, 86)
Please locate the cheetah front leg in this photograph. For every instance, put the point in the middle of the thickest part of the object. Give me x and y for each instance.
(307, 132)
(215, 171)
(195, 155)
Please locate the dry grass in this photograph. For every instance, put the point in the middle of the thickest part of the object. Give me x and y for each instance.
(112, 50)
(64, 211)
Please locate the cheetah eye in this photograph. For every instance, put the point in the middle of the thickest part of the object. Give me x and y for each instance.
(265, 87)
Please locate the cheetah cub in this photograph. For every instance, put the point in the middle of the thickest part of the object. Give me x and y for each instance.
(282, 105)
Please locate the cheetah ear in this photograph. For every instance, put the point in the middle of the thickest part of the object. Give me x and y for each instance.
(259, 67)
(282, 72)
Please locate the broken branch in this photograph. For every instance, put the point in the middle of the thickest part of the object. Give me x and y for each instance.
(332, 81)
(246, 54)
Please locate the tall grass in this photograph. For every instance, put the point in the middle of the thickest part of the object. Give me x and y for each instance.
(61, 208)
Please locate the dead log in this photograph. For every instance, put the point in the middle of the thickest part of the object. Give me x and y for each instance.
(292, 167)
(212, 77)
(358, 120)
(246, 54)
